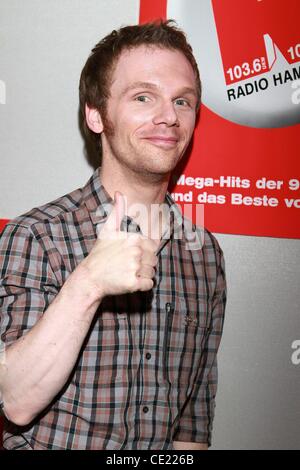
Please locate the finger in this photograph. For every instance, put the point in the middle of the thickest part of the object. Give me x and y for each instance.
(146, 272)
(113, 222)
(120, 204)
(149, 259)
(144, 284)
(134, 238)
(149, 245)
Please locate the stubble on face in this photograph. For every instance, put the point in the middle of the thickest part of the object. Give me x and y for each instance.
(135, 165)
(134, 152)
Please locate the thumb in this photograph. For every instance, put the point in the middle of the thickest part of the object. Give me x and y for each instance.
(115, 218)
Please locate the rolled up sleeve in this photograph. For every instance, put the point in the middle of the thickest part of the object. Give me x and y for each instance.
(27, 282)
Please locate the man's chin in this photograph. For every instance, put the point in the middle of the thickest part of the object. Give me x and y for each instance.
(163, 169)
(155, 173)
(161, 164)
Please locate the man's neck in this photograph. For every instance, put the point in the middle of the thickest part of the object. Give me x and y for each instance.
(145, 199)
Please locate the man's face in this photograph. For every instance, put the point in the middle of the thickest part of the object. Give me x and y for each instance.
(151, 111)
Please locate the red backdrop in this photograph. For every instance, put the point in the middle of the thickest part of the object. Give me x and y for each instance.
(222, 147)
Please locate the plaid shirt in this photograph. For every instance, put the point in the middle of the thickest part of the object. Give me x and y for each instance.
(147, 371)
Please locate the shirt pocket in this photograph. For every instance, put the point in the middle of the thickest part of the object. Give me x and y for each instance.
(186, 331)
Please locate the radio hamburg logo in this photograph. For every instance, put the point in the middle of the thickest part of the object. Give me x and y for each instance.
(262, 92)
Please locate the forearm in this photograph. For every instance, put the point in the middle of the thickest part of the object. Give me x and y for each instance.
(38, 365)
(178, 445)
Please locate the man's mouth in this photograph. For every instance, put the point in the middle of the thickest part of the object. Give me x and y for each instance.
(162, 141)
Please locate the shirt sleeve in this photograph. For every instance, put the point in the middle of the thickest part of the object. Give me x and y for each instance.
(27, 284)
(195, 423)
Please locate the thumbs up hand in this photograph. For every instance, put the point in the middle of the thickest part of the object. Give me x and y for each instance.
(111, 229)
(120, 262)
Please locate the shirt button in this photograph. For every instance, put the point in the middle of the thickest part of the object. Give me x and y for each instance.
(145, 409)
(148, 355)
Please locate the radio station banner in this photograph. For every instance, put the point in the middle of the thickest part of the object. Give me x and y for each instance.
(244, 164)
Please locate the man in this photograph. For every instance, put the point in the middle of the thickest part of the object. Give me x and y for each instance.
(111, 321)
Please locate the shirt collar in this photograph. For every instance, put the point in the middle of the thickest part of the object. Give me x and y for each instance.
(96, 198)
(99, 204)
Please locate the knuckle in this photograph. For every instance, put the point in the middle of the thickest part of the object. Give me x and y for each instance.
(134, 265)
(151, 245)
(134, 239)
(132, 285)
(137, 251)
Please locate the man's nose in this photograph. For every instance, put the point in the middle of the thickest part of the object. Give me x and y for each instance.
(166, 114)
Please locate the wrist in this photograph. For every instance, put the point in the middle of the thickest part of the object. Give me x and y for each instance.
(81, 289)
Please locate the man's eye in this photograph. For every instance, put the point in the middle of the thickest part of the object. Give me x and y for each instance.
(142, 98)
(182, 102)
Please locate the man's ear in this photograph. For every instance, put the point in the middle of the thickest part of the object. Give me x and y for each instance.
(93, 119)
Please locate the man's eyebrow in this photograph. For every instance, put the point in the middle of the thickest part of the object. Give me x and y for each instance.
(133, 86)
(152, 86)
